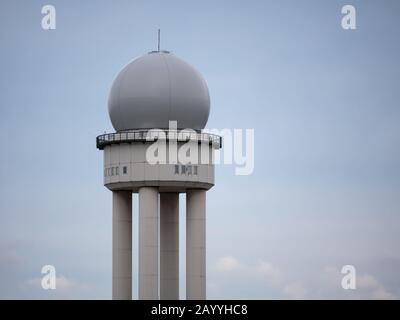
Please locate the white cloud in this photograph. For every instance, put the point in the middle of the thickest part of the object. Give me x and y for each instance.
(269, 273)
(382, 294)
(367, 282)
(227, 263)
(372, 289)
(295, 291)
(275, 277)
(65, 288)
(270, 281)
(367, 286)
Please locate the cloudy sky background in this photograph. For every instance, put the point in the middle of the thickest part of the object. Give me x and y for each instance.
(324, 103)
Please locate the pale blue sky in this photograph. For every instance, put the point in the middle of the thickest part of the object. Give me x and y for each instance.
(324, 103)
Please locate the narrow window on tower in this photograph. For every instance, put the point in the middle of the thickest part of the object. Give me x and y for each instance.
(189, 170)
(183, 169)
(195, 170)
(117, 171)
(112, 171)
(176, 169)
(125, 170)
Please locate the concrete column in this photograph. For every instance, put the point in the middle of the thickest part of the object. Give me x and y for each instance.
(196, 245)
(148, 243)
(169, 246)
(122, 245)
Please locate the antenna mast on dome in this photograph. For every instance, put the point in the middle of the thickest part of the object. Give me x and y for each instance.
(159, 39)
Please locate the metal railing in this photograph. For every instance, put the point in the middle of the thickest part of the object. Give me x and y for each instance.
(155, 134)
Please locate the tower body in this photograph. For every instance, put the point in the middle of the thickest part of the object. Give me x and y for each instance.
(158, 105)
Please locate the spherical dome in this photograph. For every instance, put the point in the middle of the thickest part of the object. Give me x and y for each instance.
(155, 89)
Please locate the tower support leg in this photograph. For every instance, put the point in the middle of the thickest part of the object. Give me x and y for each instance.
(148, 243)
(169, 246)
(122, 245)
(196, 245)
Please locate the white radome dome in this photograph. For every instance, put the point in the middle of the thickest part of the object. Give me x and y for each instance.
(157, 88)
